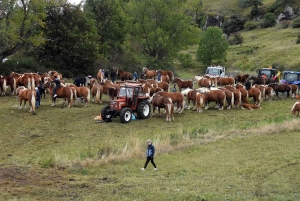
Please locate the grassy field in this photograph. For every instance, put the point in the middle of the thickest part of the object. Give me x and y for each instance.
(62, 154)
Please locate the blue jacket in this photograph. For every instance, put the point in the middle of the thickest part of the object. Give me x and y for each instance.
(150, 150)
(38, 95)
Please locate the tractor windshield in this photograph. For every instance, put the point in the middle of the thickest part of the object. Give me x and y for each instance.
(212, 71)
(291, 77)
(126, 92)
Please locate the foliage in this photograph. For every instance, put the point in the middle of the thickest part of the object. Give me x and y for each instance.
(20, 64)
(278, 6)
(269, 20)
(250, 25)
(284, 24)
(162, 28)
(72, 41)
(234, 24)
(296, 23)
(20, 25)
(212, 46)
(249, 3)
(110, 21)
(185, 60)
(298, 39)
(235, 39)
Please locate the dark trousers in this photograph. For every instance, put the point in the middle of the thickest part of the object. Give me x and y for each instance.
(54, 90)
(150, 158)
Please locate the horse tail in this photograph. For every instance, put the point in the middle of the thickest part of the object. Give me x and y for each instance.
(291, 90)
(264, 94)
(33, 100)
(29, 83)
(4, 86)
(15, 85)
(32, 83)
(240, 99)
(98, 95)
(224, 100)
(89, 95)
(232, 100)
(201, 102)
(297, 90)
(71, 97)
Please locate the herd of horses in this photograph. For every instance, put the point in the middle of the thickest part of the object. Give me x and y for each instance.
(233, 92)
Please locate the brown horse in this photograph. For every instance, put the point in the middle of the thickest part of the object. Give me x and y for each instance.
(153, 82)
(176, 97)
(262, 89)
(83, 92)
(295, 109)
(244, 92)
(155, 90)
(200, 101)
(191, 96)
(25, 95)
(183, 84)
(295, 90)
(281, 88)
(11, 81)
(269, 92)
(150, 74)
(163, 85)
(123, 75)
(162, 102)
(100, 76)
(250, 106)
(223, 81)
(204, 82)
(26, 81)
(169, 73)
(241, 78)
(216, 95)
(63, 92)
(256, 94)
(229, 98)
(237, 96)
(165, 78)
(97, 90)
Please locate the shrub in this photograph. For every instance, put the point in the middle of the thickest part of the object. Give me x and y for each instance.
(296, 23)
(185, 60)
(234, 24)
(284, 24)
(269, 20)
(250, 25)
(236, 39)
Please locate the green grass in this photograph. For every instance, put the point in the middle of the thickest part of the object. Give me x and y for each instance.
(231, 154)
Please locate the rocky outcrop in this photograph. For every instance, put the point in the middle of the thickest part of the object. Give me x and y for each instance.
(288, 14)
(212, 21)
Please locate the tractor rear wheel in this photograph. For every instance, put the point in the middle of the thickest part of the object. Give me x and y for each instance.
(143, 110)
(104, 113)
(125, 115)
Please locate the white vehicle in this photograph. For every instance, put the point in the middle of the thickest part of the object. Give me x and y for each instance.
(214, 71)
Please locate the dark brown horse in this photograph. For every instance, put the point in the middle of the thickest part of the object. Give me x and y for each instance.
(123, 75)
(150, 74)
(281, 88)
(241, 78)
(162, 102)
(183, 84)
(11, 81)
(176, 97)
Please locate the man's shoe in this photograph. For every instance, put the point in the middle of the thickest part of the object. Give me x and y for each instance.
(143, 169)
(55, 95)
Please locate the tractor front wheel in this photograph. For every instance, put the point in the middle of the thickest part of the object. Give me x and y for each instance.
(143, 110)
(104, 114)
(125, 115)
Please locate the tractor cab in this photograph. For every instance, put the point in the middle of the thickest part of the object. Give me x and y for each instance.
(269, 72)
(292, 77)
(131, 99)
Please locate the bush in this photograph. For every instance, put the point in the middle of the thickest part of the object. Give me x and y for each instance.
(250, 25)
(296, 23)
(185, 60)
(268, 21)
(234, 24)
(284, 24)
(236, 39)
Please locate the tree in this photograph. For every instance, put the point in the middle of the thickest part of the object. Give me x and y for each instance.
(249, 3)
(234, 24)
(72, 40)
(269, 20)
(110, 22)
(162, 29)
(212, 46)
(20, 25)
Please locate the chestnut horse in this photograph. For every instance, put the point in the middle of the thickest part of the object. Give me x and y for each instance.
(237, 96)
(192, 96)
(223, 81)
(200, 101)
(123, 75)
(295, 90)
(281, 88)
(97, 90)
(256, 94)
(229, 98)
(162, 102)
(100, 76)
(2, 85)
(150, 74)
(262, 89)
(295, 109)
(25, 95)
(62, 92)
(204, 82)
(168, 73)
(241, 78)
(83, 92)
(11, 81)
(165, 78)
(183, 84)
(269, 92)
(163, 85)
(176, 97)
(216, 95)
(244, 92)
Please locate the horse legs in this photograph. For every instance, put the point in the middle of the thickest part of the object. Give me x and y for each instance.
(153, 110)
(53, 102)
(194, 103)
(20, 104)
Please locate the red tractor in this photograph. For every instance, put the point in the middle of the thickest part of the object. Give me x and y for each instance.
(131, 99)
